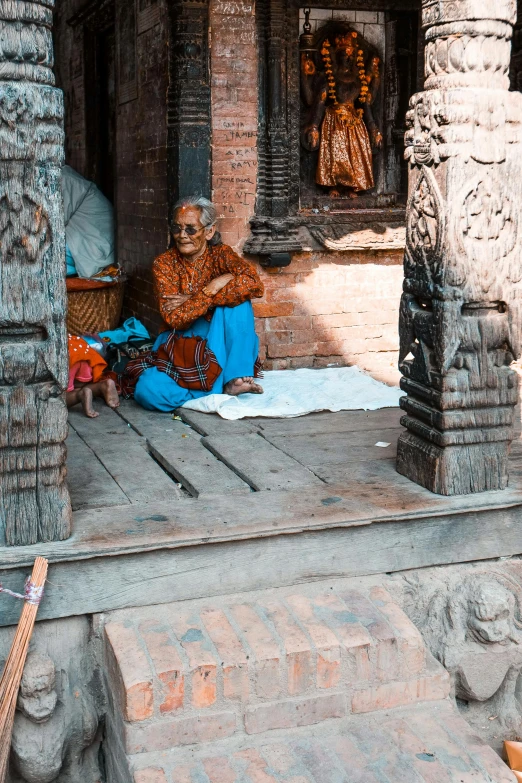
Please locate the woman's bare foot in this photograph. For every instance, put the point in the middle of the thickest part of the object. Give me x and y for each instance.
(107, 390)
(245, 385)
(86, 398)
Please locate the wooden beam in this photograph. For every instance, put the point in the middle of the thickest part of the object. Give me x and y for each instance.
(90, 484)
(130, 558)
(34, 502)
(259, 463)
(178, 449)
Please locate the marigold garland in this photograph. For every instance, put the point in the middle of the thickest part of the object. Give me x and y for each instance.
(364, 95)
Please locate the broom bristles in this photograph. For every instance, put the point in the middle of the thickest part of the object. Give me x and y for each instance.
(14, 666)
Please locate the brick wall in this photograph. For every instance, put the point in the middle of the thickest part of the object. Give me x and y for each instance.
(141, 136)
(234, 115)
(142, 203)
(325, 308)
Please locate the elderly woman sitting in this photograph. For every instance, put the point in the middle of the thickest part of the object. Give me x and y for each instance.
(204, 290)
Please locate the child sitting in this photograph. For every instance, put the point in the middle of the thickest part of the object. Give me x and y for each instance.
(87, 378)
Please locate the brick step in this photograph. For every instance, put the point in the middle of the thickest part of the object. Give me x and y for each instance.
(184, 673)
(428, 743)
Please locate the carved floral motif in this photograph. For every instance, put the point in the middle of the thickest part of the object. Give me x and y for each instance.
(25, 233)
(483, 52)
(22, 42)
(488, 226)
(425, 224)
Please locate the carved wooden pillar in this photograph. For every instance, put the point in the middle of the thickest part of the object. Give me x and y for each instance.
(188, 118)
(34, 503)
(461, 308)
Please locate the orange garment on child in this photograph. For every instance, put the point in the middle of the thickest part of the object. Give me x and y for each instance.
(85, 364)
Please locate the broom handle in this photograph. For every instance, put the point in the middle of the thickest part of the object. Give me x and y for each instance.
(14, 666)
(26, 621)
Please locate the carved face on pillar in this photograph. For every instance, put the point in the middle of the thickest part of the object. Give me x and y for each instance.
(491, 614)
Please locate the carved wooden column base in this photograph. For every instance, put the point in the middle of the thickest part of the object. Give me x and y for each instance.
(459, 423)
(453, 470)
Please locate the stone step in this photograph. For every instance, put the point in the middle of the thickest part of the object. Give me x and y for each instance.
(427, 743)
(199, 672)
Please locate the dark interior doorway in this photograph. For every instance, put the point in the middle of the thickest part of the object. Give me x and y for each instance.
(100, 99)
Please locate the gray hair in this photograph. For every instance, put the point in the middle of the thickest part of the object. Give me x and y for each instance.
(207, 209)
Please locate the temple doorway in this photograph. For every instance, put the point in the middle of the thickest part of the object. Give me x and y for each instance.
(100, 101)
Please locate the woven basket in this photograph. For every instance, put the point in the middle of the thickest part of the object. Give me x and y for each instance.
(93, 306)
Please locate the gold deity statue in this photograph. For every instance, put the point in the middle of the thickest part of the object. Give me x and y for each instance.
(340, 79)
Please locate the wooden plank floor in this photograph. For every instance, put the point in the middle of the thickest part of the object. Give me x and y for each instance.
(135, 456)
(138, 457)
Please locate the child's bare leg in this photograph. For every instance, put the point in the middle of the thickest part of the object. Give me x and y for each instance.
(107, 390)
(82, 395)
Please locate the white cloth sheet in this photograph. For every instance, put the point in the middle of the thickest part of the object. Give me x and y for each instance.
(290, 393)
(89, 224)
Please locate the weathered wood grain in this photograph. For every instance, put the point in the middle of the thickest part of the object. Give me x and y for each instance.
(342, 421)
(259, 463)
(178, 449)
(34, 502)
(461, 310)
(124, 455)
(337, 447)
(516, 448)
(138, 528)
(212, 424)
(377, 478)
(195, 467)
(90, 484)
(148, 423)
(157, 576)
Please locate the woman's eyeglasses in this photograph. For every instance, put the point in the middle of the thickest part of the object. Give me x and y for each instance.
(190, 231)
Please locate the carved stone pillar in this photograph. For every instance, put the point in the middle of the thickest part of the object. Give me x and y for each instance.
(461, 308)
(274, 236)
(34, 503)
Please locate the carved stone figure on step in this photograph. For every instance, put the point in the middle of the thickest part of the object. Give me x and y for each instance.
(340, 77)
(50, 738)
(472, 626)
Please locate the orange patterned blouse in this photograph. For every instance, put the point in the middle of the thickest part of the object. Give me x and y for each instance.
(174, 275)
